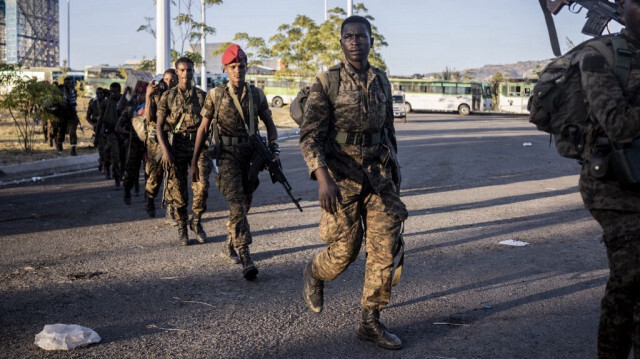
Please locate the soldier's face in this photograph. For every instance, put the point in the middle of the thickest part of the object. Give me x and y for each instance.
(236, 72)
(185, 74)
(356, 42)
(631, 14)
(114, 92)
(170, 79)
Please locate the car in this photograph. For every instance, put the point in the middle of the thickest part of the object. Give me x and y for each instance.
(399, 107)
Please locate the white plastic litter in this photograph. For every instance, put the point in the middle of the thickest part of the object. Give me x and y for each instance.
(65, 337)
(527, 144)
(511, 242)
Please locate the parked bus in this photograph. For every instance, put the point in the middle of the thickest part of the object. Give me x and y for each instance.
(279, 90)
(446, 96)
(513, 96)
(101, 76)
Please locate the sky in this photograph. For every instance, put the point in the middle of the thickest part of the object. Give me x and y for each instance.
(423, 35)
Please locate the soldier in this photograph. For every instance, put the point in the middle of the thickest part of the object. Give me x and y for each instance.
(134, 147)
(231, 107)
(69, 120)
(93, 114)
(179, 108)
(615, 118)
(348, 141)
(109, 115)
(153, 166)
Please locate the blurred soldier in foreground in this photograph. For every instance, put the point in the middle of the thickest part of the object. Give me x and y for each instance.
(348, 141)
(179, 108)
(234, 109)
(613, 141)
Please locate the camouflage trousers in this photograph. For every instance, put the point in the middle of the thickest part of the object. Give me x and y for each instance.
(153, 169)
(112, 154)
(179, 177)
(135, 155)
(619, 327)
(103, 159)
(68, 124)
(379, 217)
(233, 182)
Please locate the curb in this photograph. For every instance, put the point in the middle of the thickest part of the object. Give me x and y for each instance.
(72, 164)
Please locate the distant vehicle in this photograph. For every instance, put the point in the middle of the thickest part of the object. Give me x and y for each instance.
(76, 76)
(513, 96)
(399, 108)
(446, 96)
(279, 90)
(101, 76)
(212, 80)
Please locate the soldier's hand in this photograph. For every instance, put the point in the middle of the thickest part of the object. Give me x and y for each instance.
(152, 88)
(328, 192)
(166, 162)
(194, 172)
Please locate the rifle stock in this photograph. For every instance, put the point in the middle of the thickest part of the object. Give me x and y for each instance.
(275, 171)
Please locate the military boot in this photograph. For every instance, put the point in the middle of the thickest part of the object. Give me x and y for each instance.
(151, 207)
(249, 270)
(107, 173)
(170, 216)
(183, 237)
(118, 186)
(127, 196)
(313, 290)
(73, 150)
(372, 330)
(196, 227)
(59, 146)
(229, 253)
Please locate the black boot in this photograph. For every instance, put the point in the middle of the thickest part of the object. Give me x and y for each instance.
(249, 270)
(59, 146)
(183, 237)
(196, 227)
(151, 207)
(136, 189)
(117, 181)
(107, 172)
(127, 196)
(229, 253)
(170, 216)
(73, 150)
(313, 290)
(372, 330)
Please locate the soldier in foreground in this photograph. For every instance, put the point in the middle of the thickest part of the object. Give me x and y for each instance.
(153, 166)
(612, 201)
(348, 141)
(234, 110)
(179, 108)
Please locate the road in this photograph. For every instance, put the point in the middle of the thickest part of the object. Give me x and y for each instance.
(72, 252)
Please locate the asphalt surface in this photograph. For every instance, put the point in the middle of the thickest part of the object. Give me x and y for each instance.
(73, 253)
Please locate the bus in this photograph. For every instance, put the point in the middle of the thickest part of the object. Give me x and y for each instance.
(212, 80)
(462, 97)
(279, 90)
(513, 96)
(101, 76)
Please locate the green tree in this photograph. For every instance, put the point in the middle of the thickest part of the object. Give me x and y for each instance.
(495, 81)
(27, 101)
(468, 75)
(298, 46)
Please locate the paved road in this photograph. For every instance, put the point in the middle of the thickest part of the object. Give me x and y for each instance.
(72, 252)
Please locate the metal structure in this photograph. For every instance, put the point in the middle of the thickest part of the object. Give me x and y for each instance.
(29, 32)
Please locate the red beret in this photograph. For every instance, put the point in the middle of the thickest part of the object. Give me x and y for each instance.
(233, 54)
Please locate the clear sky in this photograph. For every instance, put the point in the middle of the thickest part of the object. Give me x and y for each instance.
(423, 35)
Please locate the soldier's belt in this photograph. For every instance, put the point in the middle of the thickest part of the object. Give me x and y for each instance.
(186, 136)
(358, 138)
(233, 141)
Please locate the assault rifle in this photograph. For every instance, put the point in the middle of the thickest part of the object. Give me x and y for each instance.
(599, 13)
(275, 171)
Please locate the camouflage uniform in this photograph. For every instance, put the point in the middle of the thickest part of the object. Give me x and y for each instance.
(616, 115)
(69, 120)
(153, 167)
(234, 156)
(174, 106)
(345, 137)
(112, 142)
(134, 151)
(93, 113)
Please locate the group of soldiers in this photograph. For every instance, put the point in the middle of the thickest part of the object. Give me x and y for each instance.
(348, 141)
(64, 119)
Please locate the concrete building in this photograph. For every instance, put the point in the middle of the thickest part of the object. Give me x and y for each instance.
(29, 32)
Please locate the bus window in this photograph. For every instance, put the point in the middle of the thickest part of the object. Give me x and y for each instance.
(514, 91)
(527, 91)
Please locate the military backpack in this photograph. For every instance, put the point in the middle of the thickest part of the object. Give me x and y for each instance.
(330, 82)
(558, 106)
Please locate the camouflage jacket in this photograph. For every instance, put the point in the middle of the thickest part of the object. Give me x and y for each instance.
(229, 119)
(109, 113)
(181, 109)
(359, 108)
(615, 113)
(93, 110)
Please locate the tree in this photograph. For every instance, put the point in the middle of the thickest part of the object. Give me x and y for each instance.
(495, 81)
(27, 101)
(189, 32)
(298, 46)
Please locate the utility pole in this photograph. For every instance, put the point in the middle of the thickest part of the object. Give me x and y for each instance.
(203, 48)
(326, 16)
(349, 8)
(69, 34)
(163, 46)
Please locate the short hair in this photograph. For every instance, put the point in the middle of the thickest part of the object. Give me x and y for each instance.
(356, 19)
(185, 60)
(169, 71)
(115, 85)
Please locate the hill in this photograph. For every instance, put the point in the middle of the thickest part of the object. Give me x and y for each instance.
(521, 69)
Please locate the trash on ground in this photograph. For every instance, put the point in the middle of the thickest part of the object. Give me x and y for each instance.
(65, 337)
(511, 242)
(527, 144)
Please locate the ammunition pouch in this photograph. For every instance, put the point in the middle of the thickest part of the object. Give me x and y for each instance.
(625, 161)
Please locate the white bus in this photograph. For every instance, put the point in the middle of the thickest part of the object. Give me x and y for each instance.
(445, 96)
(513, 96)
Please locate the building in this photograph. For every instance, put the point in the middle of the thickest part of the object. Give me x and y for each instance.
(29, 33)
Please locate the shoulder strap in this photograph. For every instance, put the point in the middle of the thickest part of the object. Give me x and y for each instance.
(218, 92)
(330, 82)
(619, 59)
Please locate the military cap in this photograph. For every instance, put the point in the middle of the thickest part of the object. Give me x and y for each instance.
(233, 54)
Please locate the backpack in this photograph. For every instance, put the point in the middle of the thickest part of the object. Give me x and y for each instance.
(557, 105)
(330, 81)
